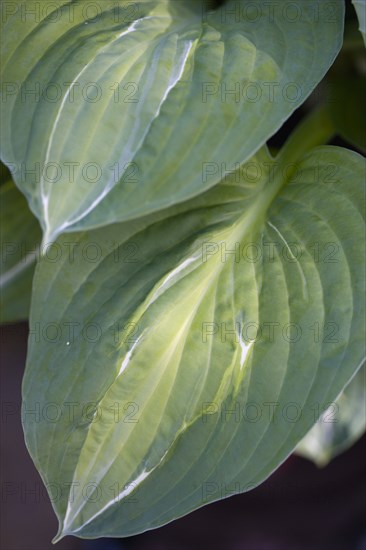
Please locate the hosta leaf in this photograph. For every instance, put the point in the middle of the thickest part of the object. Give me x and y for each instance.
(20, 240)
(147, 333)
(340, 425)
(130, 103)
(360, 7)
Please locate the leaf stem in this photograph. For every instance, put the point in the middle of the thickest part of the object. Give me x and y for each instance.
(316, 129)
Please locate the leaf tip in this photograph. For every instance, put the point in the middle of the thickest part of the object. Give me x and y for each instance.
(60, 535)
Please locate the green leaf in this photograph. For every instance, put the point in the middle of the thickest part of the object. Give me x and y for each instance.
(360, 7)
(20, 241)
(191, 371)
(341, 425)
(129, 104)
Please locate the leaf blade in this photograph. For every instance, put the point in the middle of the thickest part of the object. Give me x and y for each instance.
(203, 81)
(20, 242)
(339, 427)
(184, 363)
(360, 7)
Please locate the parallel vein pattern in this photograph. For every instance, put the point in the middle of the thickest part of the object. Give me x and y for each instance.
(239, 316)
(111, 118)
(341, 425)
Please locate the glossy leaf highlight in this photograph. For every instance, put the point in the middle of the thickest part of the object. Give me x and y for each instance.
(112, 117)
(202, 338)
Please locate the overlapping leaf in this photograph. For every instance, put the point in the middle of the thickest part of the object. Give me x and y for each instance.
(340, 425)
(181, 357)
(109, 113)
(20, 240)
(360, 7)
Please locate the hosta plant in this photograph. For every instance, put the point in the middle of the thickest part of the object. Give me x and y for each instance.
(196, 291)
